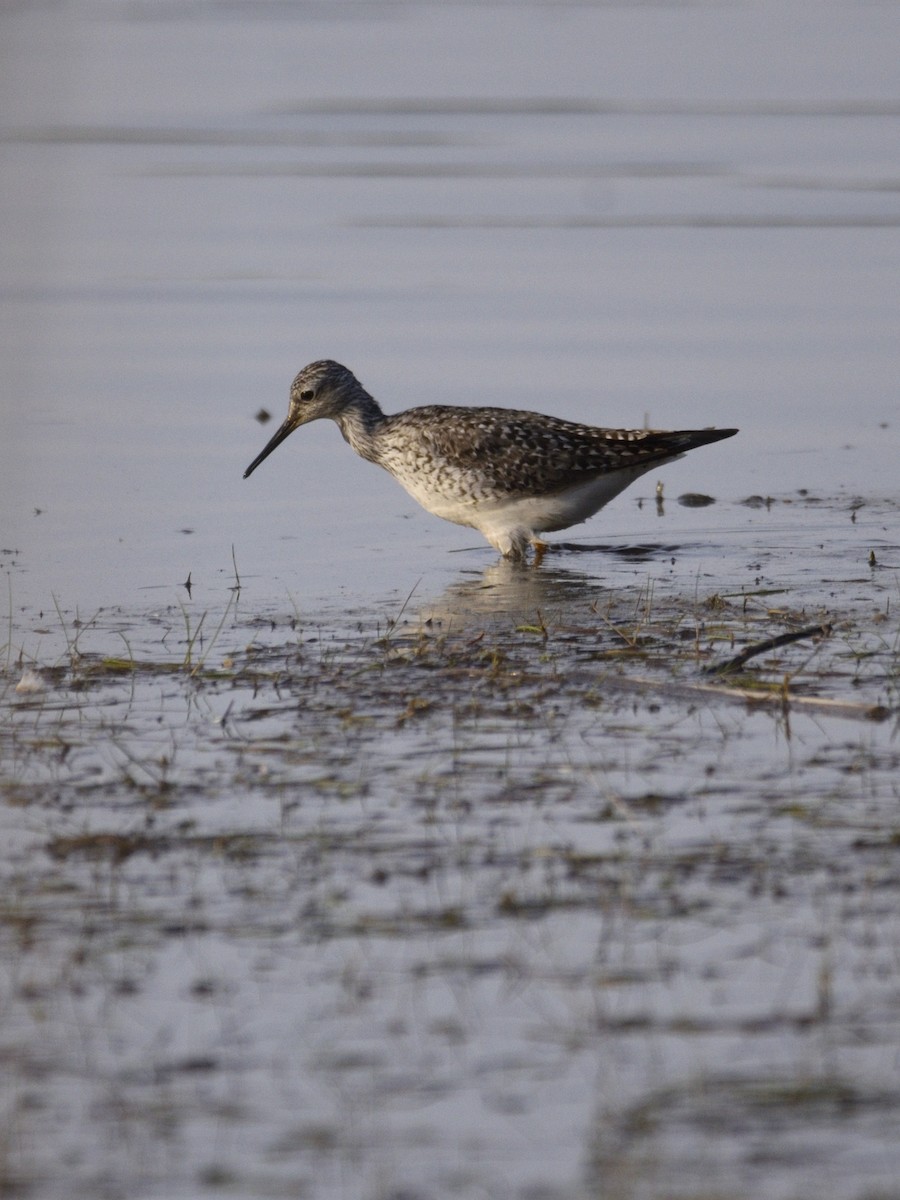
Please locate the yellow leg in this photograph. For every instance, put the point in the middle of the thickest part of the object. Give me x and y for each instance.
(540, 549)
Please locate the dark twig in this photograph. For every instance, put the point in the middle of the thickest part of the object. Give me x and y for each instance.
(783, 639)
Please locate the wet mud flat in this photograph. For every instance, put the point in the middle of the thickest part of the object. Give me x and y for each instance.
(577, 881)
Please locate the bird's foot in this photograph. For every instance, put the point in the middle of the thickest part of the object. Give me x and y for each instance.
(540, 549)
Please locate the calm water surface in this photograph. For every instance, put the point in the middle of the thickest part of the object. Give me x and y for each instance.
(530, 952)
(686, 216)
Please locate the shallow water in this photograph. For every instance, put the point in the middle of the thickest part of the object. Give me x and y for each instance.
(497, 894)
(368, 866)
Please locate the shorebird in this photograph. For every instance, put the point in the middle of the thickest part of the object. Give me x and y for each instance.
(512, 475)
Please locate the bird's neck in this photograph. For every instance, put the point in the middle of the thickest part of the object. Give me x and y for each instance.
(359, 424)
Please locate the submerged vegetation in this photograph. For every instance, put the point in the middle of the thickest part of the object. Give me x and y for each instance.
(289, 902)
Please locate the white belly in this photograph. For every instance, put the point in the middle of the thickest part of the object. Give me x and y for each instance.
(510, 523)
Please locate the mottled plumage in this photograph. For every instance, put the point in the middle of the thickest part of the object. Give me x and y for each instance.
(508, 473)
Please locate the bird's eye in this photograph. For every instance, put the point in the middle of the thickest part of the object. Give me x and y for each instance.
(307, 394)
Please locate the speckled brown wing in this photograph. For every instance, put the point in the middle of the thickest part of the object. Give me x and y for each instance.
(519, 453)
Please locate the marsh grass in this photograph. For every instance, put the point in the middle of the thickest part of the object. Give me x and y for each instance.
(355, 857)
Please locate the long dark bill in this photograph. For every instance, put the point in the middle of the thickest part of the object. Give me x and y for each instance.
(286, 428)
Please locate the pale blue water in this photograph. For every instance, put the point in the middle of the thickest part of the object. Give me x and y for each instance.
(681, 214)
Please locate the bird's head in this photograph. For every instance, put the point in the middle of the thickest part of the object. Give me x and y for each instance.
(322, 389)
